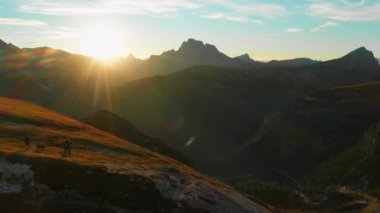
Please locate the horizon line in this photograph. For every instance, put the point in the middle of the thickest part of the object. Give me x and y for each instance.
(146, 58)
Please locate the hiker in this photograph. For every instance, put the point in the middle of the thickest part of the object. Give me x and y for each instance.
(67, 147)
(27, 141)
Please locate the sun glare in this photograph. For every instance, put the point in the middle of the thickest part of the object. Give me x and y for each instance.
(103, 43)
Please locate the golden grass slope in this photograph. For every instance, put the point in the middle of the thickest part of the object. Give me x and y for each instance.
(97, 150)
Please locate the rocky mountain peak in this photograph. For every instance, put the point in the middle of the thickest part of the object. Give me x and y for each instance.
(359, 59)
(360, 54)
(192, 46)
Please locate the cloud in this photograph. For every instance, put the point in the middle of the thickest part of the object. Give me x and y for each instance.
(324, 26)
(104, 7)
(240, 11)
(345, 10)
(293, 30)
(22, 22)
(51, 33)
(263, 10)
(231, 18)
(244, 11)
(253, 9)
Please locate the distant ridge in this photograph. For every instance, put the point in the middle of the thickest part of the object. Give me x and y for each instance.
(359, 54)
(292, 62)
(191, 53)
(360, 58)
(245, 58)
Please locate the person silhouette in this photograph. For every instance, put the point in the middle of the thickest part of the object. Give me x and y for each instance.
(27, 141)
(67, 147)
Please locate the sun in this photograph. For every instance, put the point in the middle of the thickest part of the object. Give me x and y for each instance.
(103, 43)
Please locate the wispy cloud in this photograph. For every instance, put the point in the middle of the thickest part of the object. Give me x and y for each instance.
(253, 9)
(22, 22)
(231, 18)
(345, 10)
(238, 11)
(263, 10)
(51, 33)
(293, 30)
(104, 7)
(244, 11)
(324, 26)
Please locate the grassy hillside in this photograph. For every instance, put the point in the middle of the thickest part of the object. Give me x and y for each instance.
(104, 173)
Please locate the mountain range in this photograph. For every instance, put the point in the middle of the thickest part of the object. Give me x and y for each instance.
(190, 53)
(194, 110)
(216, 107)
(194, 53)
(280, 126)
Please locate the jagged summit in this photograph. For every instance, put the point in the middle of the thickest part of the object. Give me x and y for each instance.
(191, 53)
(191, 43)
(192, 46)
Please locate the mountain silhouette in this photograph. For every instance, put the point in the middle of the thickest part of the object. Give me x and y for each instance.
(359, 58)
(292, 62)
(217, 106)
(246, 58)
(191, 53)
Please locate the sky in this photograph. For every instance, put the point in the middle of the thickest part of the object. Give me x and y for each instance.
(270, 29)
